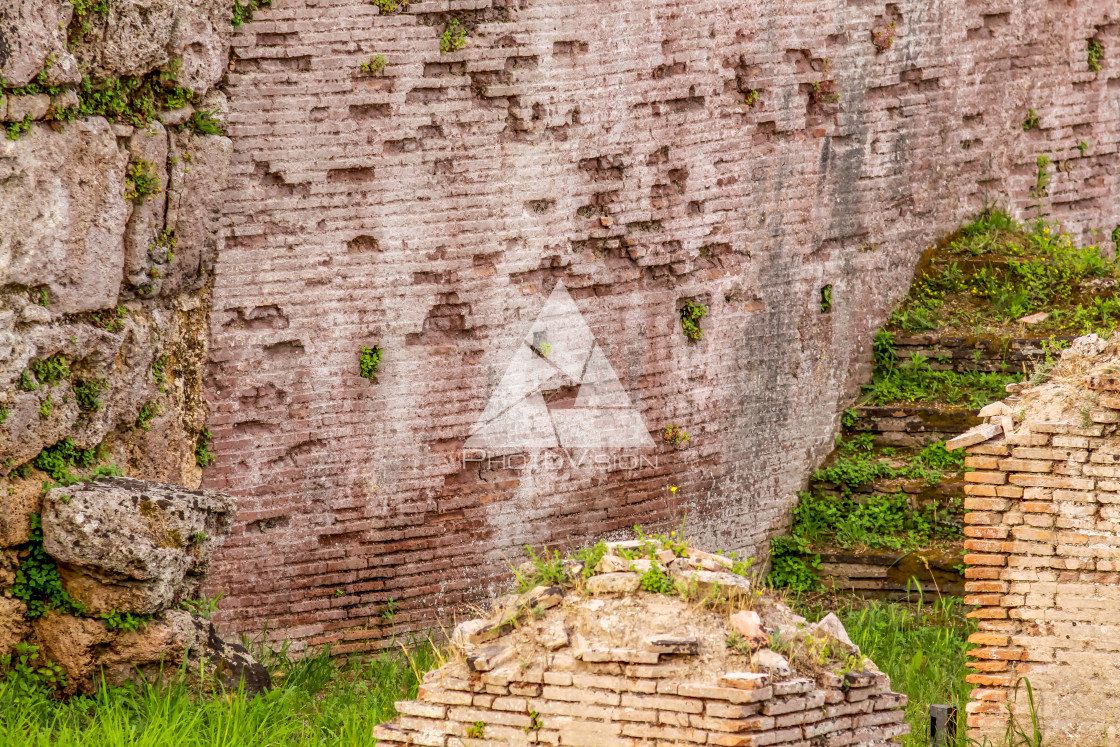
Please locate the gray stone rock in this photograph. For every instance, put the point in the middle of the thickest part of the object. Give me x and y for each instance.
(832, 629)
(781, 619)
(139, 36)
(197, 178)
(87, 651)
(21, 107)
(706, 582)
(131, 545)
(31, 33)
(63, 214)
(121, 359)
(162, 646)
(149, 145)
(614, 583)
(771, 661)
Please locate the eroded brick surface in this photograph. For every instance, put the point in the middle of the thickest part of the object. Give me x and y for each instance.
(430, 210)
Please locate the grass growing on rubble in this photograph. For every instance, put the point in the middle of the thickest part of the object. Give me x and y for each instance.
(314, 701)
(920, 647)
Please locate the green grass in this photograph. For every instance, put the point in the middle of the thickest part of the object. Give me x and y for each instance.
(314, 701)
(920, 647)
(994, 271)
(916, 381)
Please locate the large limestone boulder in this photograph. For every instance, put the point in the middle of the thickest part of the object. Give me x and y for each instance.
(138, 36)
(63, 214)
(133, 546)
(87, 651)
(31, 32)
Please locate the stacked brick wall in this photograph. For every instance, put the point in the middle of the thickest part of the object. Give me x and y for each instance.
(617, 148)
(619, 704)
(1044, 573)
(954, 353)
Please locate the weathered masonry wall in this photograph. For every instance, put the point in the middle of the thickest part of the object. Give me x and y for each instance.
(1043, 548)
(431, 208)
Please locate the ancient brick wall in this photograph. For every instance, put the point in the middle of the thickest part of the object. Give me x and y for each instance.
(1043, 551)
(644, 155)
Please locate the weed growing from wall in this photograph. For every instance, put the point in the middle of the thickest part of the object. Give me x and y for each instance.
(132, 99)
(675, 435)
(202, 454)
(244, 13)
(1032, 121)
(124, 622)
(58, 460)
(28, 676)
(1096, 54)
(51, 370)
(368, 362)
(204, 122)
(157, 370)
(375, 66)
(691, 313)
(883, 38)
(37, 582)
(26, 381)
(16, 130)
(453, 38)
(1042, 179)
(390, 6)
(826, 299)
(824, 91)
(142, 182)
(1083, 146)
(88, 393)
(147, 414)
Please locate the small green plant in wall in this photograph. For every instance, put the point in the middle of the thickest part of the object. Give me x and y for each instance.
(142, 182)
(826, 299)
(375, 66)
(244, 13)
(391, 6)
(1042, 179)
(477, 730)
(691, 313)
(883, 38)
(369, 362)
(1032, 121)
(454, 37)
(675, 435)
(16, 130)
(1083, 146)
(202, 454)
(1096, 54)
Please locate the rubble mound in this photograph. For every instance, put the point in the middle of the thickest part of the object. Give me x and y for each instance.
(99, 589)
(648, 642)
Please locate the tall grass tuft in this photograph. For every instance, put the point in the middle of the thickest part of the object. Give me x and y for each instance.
(921, 647)
(316, 700)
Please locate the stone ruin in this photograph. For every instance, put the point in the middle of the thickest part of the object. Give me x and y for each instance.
(594, 660)
(1043, 529)
(122, 547)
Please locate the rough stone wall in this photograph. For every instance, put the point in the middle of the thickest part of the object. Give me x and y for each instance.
(431, 208)
(112, 287)
(1042, 550)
